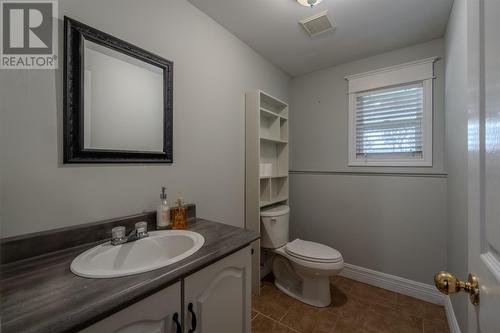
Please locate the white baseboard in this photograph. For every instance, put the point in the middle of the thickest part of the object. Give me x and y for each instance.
(450, 315)
(403, 286)
(415, 289)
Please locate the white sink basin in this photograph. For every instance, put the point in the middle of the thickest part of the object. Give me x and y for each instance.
(160, 249)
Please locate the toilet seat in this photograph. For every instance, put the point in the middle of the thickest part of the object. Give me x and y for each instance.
(312, 251)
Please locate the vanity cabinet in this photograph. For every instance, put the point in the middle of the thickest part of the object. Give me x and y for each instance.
(215, 299)
(218, 297)
(158, 313)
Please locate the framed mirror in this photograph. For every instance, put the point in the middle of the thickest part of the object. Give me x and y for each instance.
(117, 100)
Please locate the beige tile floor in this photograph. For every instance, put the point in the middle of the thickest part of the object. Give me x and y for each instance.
(355, 308)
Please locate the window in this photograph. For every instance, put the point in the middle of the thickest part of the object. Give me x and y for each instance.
(389, 122)
(390, 116)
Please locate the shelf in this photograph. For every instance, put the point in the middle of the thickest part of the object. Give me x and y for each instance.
(270, 126)
(273, 201)
(273, 104)
(268, 113)
(273, 190)
(279, 141)
(274, 177)
(276, 154)
(266, 142)
(279, 187)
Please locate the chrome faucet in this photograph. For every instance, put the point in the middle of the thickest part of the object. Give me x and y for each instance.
(119, 236)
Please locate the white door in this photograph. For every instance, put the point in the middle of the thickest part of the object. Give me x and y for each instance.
(484, 161)
(217, 298)
(158, 313)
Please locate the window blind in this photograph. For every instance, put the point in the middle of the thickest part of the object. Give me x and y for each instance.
(390, 122)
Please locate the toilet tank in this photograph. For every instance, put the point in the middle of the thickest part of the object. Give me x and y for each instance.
(274, 229)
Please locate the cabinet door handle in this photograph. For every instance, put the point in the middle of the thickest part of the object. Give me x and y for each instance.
(193, 318)
(178, 327)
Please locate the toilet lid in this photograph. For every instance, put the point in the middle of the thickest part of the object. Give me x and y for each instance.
(312, 251)
(275, 211)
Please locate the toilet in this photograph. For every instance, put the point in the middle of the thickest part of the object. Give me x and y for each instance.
(302, 269)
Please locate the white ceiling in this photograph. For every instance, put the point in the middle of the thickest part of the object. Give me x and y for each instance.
(364, 28)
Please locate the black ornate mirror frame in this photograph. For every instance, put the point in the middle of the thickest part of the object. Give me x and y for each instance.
(74, 150)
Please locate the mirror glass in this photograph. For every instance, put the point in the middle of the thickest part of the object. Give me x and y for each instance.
(123, 101)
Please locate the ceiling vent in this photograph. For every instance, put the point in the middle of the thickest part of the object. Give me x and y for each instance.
(317, 24)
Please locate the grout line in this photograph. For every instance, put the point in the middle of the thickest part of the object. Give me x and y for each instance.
(282, 317)
(288, 310)
(290, 328)
(279, 322)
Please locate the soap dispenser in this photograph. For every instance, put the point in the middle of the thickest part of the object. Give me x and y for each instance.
(179, 215)
(163, 211)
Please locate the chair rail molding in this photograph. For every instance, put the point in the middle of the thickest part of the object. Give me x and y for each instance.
(371, 173)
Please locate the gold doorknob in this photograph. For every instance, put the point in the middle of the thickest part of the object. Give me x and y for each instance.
(448, 284)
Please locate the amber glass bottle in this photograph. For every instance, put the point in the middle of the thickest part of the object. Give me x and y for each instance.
(179, 216)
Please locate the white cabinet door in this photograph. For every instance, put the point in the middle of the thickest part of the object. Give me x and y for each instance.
(218, 297)
(154, 314)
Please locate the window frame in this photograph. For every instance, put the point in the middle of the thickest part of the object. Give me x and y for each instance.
(410, 73)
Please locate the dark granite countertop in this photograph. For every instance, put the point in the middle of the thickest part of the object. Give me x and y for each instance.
(42, 295)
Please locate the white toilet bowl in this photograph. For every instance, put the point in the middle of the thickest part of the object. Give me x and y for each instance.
(302, 269)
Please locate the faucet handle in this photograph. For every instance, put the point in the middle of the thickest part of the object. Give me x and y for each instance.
(141, 228)
(118, 233)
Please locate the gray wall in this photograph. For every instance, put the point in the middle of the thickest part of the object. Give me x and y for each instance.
(319, 111)
(456, 149)
(395, 224)
(212, 72)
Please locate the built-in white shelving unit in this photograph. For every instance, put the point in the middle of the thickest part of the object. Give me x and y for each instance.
(266, 142)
